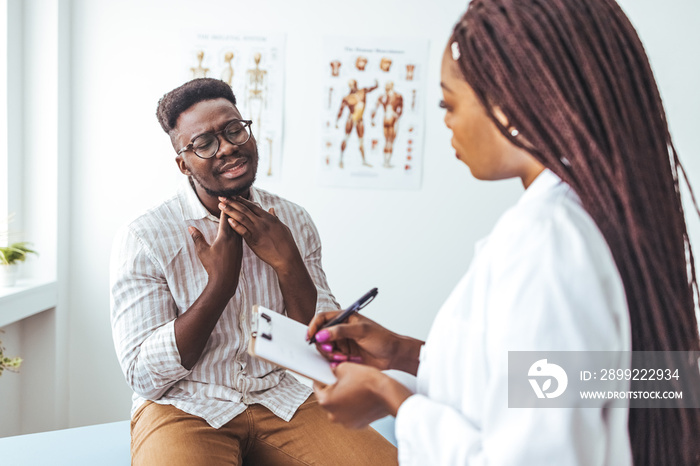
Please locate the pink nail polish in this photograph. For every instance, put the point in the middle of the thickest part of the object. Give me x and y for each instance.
(334, 365)
(323, 336)
(355, 359)
(327, 348)
(340, 357)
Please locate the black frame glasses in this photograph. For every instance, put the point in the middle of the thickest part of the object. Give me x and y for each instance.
(226, 132)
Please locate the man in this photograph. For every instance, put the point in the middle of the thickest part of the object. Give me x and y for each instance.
(355, 102)
(185, 276)
(392, 102)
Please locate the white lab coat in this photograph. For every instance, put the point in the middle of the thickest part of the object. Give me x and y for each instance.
(544, 280)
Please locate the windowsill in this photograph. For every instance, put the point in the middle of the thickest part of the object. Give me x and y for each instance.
(27, 298)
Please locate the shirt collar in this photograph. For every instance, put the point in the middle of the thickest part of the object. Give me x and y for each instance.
(192, 207)
(255, 197)
(545, 181)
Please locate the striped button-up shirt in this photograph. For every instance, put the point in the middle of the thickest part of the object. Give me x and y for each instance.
(156, 276)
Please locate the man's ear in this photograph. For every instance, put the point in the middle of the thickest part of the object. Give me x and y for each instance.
(182, 165)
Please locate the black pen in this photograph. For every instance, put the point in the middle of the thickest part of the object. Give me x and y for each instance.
(356, 306)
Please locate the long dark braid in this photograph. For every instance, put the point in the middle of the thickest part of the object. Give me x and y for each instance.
(573, 77)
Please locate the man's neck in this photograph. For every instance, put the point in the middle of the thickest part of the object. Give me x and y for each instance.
(211, 203)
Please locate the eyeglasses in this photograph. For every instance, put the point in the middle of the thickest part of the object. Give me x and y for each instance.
(206, 145)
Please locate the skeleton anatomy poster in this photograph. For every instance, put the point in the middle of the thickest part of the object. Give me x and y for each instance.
(253, 65)
(373, 112)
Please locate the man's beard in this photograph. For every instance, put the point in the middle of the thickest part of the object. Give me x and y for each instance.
(227, 193)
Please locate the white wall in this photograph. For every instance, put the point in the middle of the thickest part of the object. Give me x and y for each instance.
(413, 245)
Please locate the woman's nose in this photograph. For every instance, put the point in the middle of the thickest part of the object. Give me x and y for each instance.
(448, 120)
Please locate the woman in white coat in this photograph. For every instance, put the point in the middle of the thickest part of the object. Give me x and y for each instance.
(594, 256)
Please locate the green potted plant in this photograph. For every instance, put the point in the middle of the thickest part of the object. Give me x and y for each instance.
(11, 364)
(10, 257)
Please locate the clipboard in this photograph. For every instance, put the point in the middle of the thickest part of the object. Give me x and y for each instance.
(280, 340)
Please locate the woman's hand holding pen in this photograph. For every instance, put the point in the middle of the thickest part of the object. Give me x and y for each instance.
(362, 340)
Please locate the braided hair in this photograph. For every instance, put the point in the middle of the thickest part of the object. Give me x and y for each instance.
(573, 77)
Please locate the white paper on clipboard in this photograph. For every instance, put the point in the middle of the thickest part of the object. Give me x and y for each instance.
(280, 340)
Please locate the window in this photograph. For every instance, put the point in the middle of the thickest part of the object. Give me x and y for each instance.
(4, 173)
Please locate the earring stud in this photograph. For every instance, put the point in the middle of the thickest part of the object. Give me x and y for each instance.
(455, 51)
(514, 132)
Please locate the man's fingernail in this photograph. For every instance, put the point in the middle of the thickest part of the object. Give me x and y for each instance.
(340, 357)
(222, 206)
(327, 348)
(323, 336)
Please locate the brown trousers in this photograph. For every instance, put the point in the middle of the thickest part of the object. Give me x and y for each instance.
(165, 435)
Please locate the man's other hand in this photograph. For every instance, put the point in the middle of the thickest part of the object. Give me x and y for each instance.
(265, 234)
(221, 259)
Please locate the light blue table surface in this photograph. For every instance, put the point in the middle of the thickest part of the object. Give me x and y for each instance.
(98, 445)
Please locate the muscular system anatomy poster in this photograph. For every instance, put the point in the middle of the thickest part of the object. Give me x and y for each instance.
(372, 112)
(253, 65)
